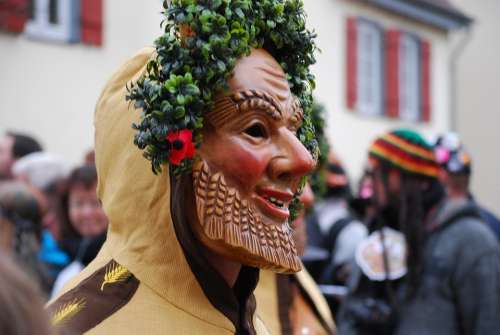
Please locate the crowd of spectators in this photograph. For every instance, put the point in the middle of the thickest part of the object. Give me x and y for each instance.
(51, 222)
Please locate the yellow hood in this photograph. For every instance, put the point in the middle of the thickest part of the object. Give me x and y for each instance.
(141, 235)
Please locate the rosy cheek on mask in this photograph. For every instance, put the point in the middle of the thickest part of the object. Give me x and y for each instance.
(247, 165)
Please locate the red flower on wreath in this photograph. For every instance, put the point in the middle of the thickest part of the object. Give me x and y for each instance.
(181, 145)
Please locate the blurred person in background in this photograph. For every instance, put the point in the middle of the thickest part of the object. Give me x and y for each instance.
(430, 265)
(455, 175)
(47, 173)
(20, 229)
(12, 147)
(21, 306)
(87, 223)
(362, 202)
(334, 228)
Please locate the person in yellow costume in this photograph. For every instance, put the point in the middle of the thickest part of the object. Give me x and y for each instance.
(229, 142)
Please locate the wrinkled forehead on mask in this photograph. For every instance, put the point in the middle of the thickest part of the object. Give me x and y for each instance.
(259, 80)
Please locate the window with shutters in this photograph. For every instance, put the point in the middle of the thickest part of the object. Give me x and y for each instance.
(369, 64)
(409, 78)
(364, 66)
(55, 20)
(388, 71)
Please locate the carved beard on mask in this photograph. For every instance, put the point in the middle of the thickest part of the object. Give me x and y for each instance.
(234, 228)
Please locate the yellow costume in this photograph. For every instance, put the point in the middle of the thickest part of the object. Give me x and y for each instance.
(141, 281)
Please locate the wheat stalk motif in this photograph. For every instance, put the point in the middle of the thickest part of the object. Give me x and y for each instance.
(67, 311)
(115, 273)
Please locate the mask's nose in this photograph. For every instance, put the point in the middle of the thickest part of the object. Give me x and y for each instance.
(292, 161)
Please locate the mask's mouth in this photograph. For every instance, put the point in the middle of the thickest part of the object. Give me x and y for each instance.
(274, 203)
(252, 230)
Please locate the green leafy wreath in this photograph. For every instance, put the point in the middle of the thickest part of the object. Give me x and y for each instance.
(195, 56)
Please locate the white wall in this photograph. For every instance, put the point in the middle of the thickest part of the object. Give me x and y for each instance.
(479, 97)
(349, 133)
(50, 90)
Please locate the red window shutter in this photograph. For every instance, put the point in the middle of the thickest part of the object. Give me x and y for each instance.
(351, 60)
(91, 22)
(425, 75)
(392, 42)
(13, 15)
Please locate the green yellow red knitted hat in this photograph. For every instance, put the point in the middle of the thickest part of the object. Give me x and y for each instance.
(406, 150)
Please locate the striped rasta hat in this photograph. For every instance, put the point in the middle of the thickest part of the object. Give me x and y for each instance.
(406, 150)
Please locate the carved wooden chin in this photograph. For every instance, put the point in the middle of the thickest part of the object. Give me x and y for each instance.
(233, 228)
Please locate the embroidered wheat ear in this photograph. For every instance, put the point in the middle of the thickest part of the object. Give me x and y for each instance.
(67, 311)
(115, 273)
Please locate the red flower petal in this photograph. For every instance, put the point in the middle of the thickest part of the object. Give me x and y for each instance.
(187, 150)
(185, 135)
(172, 136)
(190, 149)
(176, 156)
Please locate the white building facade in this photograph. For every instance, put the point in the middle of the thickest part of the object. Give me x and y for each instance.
(379, 68)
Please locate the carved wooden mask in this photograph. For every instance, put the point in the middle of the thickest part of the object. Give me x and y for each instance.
(250, 167)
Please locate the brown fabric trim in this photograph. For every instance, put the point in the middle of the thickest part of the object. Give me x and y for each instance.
(93, 300)
(285, 299)
(238, 303)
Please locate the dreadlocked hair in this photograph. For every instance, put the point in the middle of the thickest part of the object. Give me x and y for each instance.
(412, 208)
(411, 224)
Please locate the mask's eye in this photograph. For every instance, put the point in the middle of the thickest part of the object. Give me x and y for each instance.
(256, 131)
